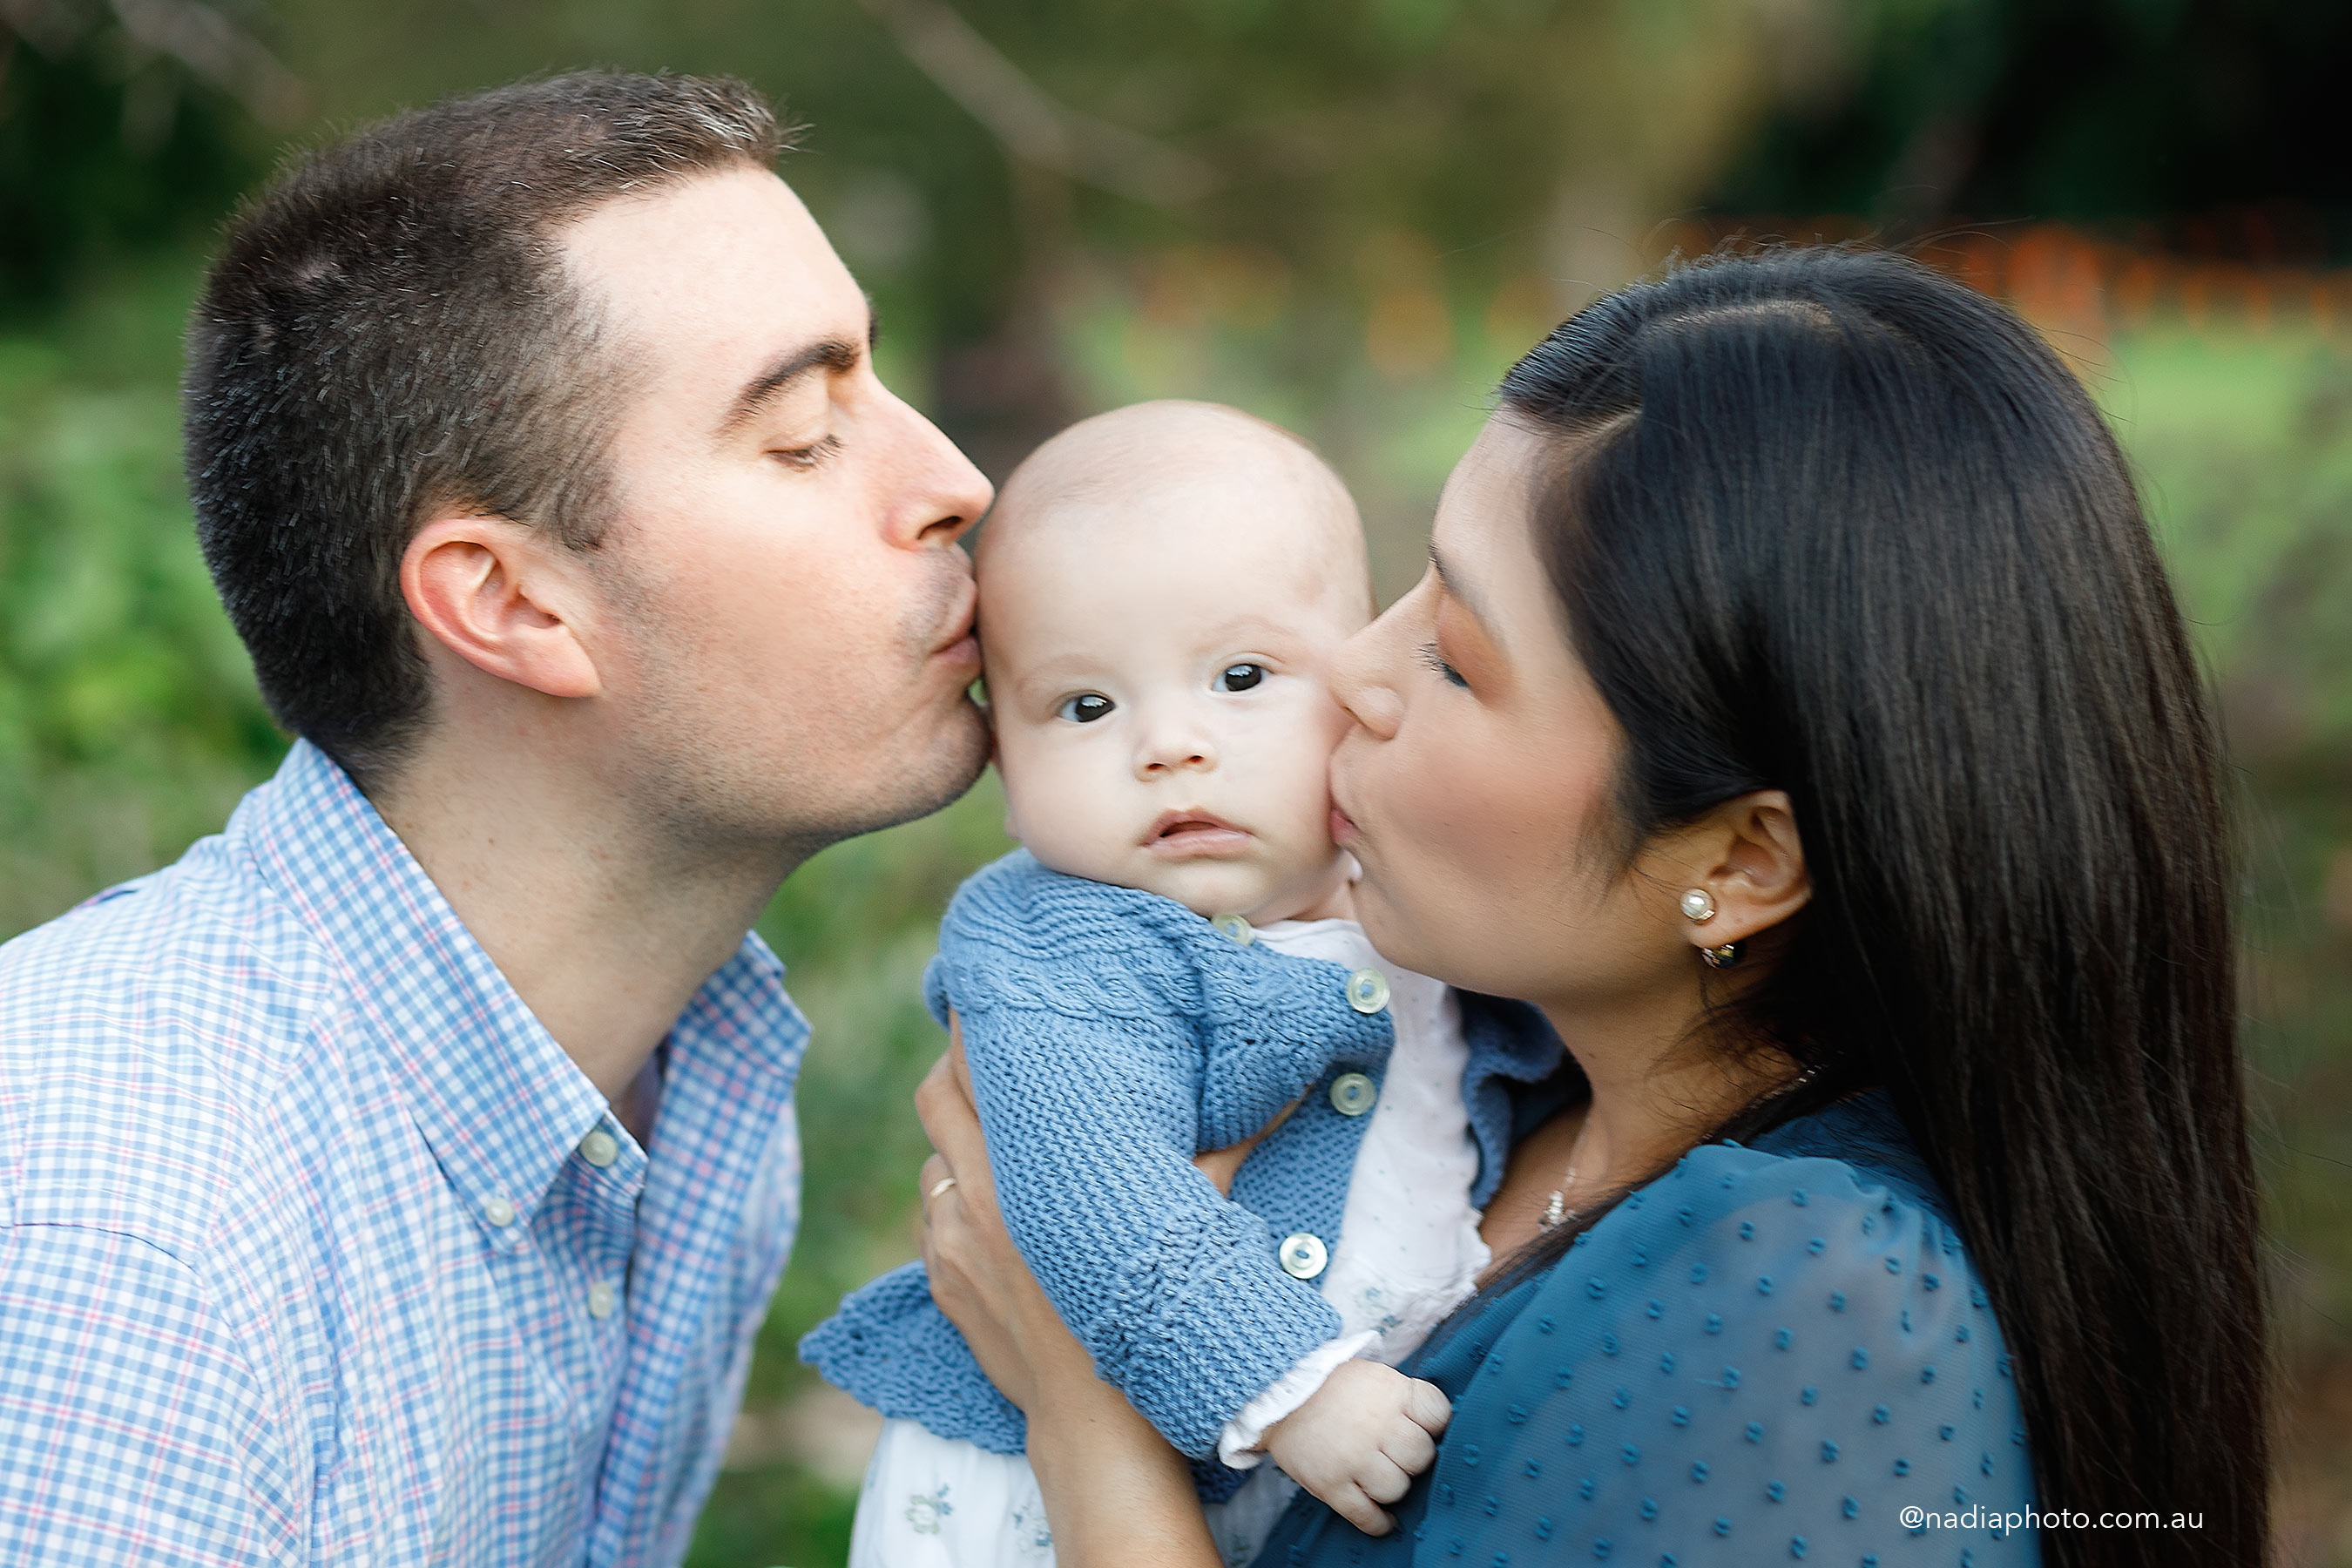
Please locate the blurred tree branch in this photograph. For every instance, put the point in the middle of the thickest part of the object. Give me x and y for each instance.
(198, 38)
(1031, 124)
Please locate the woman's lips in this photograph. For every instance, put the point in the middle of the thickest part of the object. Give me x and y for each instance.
(1343, 828)
(1194, 836)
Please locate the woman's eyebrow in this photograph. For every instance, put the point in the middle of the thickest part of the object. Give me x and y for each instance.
(1468, 601)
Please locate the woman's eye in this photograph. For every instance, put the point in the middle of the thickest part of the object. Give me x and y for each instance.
(1085, 709)
(1240, 677)
(1435, 662)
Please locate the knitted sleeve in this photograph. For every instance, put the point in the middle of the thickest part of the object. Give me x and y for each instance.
(1081, 1029)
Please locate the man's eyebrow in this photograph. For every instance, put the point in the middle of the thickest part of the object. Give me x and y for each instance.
(1469, 602)
(834, 356)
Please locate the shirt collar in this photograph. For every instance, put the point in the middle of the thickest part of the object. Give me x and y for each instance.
(491, 1092)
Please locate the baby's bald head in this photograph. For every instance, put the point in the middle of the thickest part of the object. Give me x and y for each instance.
(1162, 593)
(1199, 468)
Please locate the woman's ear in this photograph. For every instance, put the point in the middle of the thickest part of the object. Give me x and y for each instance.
(1746, 857)
(507, 599)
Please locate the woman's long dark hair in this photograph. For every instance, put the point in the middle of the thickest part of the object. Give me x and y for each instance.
(1827, 523)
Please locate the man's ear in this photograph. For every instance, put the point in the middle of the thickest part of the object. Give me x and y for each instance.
(1745, 855)
(507, 599)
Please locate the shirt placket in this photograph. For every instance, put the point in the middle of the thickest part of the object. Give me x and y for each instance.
(691, 1293)
(592, 1210)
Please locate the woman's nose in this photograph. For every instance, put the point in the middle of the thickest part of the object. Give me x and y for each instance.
(1359, 682)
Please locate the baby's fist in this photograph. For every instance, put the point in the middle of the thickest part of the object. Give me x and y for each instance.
(1359, 1440)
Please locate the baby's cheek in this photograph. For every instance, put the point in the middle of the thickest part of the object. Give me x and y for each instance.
(1066, 823)
(1286, 760)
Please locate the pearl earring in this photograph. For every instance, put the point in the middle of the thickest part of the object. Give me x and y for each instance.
(1698, 905)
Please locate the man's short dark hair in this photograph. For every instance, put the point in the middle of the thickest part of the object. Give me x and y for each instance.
(388, 330)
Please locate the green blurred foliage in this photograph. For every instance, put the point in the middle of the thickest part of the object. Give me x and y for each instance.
(104, 154)
(2083, 110)
(2245, 447)
(128, 720)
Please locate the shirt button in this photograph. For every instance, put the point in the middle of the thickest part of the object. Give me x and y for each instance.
(1367, 991)
(1352, 1094)
(1234, 927)
(600, 1147)
(1303, 1255)
(602, 1299)
(498, 1211)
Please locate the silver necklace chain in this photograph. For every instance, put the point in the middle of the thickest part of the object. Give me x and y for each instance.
(1555, 1210)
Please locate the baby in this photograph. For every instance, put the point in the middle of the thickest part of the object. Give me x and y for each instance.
(1165, 966)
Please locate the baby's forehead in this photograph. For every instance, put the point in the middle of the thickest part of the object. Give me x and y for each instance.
(1260, 544)
(1238, 538)
(1105, 484)
(1162, 515)
(1095, 481)
(1138, 507)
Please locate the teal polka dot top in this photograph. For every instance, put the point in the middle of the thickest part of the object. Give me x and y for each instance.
(1770, 1354)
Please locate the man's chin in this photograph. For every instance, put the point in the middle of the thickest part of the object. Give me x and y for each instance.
(937, 779)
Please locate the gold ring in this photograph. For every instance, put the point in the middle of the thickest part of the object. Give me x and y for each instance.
(942, 1185)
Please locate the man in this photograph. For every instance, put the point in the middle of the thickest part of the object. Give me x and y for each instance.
(400, 1176)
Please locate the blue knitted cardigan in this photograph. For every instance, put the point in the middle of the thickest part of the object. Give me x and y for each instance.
(1112, 1034)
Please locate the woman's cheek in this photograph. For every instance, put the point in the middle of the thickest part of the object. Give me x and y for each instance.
(1485, 849)
(1413, 793)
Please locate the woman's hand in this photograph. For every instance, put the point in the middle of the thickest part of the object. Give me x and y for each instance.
(978, 1277)
(1115, 1491)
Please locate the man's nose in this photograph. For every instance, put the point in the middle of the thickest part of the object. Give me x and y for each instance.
(944, 495)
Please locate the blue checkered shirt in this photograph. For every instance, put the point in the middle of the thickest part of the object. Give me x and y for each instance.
(315, 1246)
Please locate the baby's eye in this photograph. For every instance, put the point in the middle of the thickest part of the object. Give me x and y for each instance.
(1084, 708)
(1240, 677)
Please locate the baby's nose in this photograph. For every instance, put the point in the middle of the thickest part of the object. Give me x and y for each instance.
(1175, 750)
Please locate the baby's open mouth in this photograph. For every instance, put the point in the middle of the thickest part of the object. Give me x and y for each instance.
(1180, 835)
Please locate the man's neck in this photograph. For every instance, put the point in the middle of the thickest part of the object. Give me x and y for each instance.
(604, 932)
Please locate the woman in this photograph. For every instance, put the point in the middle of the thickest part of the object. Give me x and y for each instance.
(1795, 711)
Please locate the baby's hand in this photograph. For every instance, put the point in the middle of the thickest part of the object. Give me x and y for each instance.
(1359, 1440)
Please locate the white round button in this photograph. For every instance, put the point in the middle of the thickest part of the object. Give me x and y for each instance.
(498, 1211)
(1303, 1255)
(1234, 927)
(600, 1147)
(1352, 1094)
(602, 1299)
(1367, 991)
